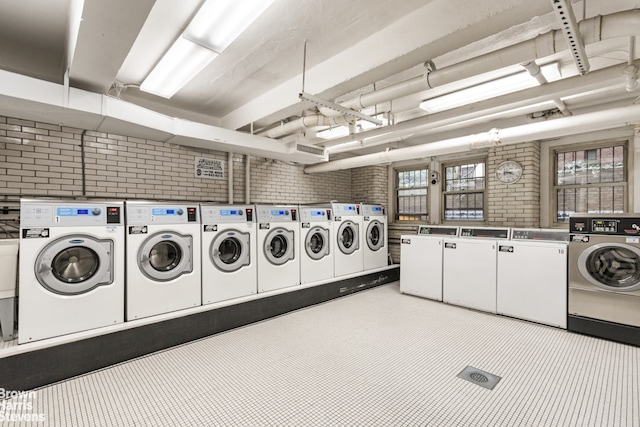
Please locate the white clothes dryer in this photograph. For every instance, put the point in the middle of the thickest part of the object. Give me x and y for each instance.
(469, 274)
(373, 239)
(347, 226)
(229, 241)
(421, 260)
(71, 267)
(278, 247)
(163, 258)
(316, 232)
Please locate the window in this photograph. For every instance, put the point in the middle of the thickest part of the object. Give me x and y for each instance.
(590, 181)
(464, 191)
(411, 194)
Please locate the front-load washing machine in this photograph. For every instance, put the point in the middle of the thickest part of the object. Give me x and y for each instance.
(229, 265)
(71, 267)
(373, 238)
(278, 247)
(347, 226)
(469, 272)
(604, 276)
(163, 258)
(421, 260)
(532, 276)
(316, 232)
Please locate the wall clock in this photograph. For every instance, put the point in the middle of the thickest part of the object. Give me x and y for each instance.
(509, 172)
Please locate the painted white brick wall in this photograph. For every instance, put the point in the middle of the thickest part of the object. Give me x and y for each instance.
(370, 185)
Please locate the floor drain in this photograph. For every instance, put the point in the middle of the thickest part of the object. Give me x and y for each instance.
(479, 377)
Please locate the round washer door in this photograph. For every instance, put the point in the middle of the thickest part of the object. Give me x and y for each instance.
(611, 266)
(348, 237)
(316, 243)
(75, 265)
(375, 235)
(165, 256)
(229, 251)
(279, 246)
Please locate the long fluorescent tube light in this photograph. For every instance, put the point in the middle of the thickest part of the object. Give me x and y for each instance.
(216, 25)
(492, 89)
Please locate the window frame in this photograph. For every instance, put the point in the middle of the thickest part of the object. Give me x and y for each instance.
(396, 190)
(483, 191)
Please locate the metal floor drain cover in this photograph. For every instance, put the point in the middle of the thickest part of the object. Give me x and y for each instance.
(479, 377)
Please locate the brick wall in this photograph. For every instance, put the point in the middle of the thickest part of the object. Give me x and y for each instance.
(39, 159)
(518, 204)
(370, 185)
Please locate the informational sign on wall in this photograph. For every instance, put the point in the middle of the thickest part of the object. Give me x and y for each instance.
(209, 168)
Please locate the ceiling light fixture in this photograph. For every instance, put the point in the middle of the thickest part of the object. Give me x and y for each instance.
(340, 131)
(216, 25)
(492, 89)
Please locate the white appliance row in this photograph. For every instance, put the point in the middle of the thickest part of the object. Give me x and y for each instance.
(515, 272)
(85, 264)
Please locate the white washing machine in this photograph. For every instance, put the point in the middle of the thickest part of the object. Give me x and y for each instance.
(532, 276)
(278, 247)
(316, 232)
(229, 264)
(71, 267)
(163, 258)
(347, 227)
(373, 239)
(421, 260)
(470, 267)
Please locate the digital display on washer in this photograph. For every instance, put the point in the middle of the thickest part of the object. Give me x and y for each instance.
(604, 226)
(166, 211)
(279, 213)
(230, 212)
(349, 208)
(376, 208)
(317, 213)
(72, 211)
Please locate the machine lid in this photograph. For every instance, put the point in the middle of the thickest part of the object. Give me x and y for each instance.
(75, 265)
(348, 237)
(539, 234)
(375, 235)
(438, 230)
(279, 246)
(611, 266)
(230, 251)
(317, 243)
(165, 256)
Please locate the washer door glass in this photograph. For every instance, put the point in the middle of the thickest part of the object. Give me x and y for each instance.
(76, 264)
(348, 238)
(612, 266)
(279, 246)
(165, 256)
(317, 243)
(229, 251)
(375, 235)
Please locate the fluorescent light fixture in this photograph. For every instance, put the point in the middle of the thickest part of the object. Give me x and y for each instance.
(492, 89)
(340, 131)
(216, 25)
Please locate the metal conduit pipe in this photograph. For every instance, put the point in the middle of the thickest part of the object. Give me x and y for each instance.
(295, 126)
(534, 70)
(589, 122)
(620, 24)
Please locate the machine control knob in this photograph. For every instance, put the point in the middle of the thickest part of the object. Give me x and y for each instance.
(96, 211)
(240, 212)
(179, 211)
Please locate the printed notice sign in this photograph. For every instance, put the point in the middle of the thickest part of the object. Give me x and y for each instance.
(209, 168)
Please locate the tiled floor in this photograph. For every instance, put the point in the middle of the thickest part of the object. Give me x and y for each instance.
(376, 358)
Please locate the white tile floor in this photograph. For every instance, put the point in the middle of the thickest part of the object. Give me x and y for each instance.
(375, 358)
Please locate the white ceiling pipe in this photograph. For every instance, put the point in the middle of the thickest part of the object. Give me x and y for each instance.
(590, 122)
(593, 30)
(558, 89)
(306, 122)
(533, 69)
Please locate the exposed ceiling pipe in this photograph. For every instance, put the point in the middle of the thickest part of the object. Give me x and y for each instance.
(306, 122)
(558, 89)
(533, 69)
(590, 122)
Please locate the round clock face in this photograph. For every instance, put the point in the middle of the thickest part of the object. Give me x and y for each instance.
(509, 172)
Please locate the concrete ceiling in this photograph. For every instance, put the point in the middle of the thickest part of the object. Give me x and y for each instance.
(352, 47)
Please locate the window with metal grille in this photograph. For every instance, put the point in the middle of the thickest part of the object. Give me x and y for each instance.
(411, 194)
(590, 181)
(464, 186)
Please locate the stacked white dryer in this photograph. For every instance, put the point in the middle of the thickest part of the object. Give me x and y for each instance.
(374, 237)
(316, 233)
(163, 258)
(347, 226)
(71, 267)
(278, 247)
(470, 267)
(421, 258)
(229, 252)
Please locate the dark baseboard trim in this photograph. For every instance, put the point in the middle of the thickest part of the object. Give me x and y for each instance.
(30, 370)
(602, 329)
